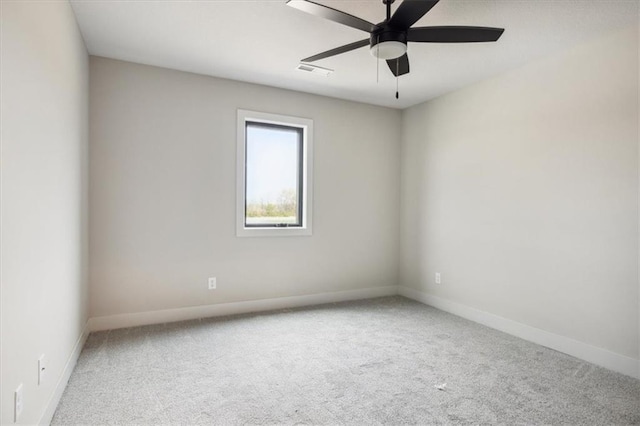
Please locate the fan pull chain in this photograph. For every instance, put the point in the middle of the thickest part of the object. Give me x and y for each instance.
(397, 78)
(378, 60)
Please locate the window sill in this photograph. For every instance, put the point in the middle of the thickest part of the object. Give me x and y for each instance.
(273, 232)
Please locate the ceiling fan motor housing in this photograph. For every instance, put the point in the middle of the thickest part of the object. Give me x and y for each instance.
(387, 43)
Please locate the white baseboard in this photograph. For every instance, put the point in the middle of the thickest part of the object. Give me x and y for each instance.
(111, 322)
(602, 357)
(64, 378)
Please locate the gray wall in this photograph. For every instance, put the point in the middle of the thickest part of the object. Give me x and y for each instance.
(163, 187)
(44, 111)
(522, 191)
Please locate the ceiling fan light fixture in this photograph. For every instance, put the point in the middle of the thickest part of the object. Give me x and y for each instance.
(389, 49)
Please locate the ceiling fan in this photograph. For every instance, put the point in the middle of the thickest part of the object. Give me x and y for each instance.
(388, 39)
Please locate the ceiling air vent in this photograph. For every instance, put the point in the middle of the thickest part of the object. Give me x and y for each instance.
(314, 69)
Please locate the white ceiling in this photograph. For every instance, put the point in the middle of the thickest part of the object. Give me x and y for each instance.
(262, 41)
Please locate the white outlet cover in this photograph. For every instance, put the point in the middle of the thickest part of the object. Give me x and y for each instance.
(41, 369)
(212, 283)
(438, 279)
(18, 403)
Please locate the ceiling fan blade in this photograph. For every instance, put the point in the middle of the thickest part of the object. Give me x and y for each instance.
(332, 14)
(399, 66)
(454, 34)
(338, 50)
(410, 12)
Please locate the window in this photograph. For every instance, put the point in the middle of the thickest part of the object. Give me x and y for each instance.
(274, 175)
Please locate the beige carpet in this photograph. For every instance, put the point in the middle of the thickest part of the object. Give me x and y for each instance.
(370, 362)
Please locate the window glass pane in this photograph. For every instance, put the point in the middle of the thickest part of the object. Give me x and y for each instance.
(272, 175)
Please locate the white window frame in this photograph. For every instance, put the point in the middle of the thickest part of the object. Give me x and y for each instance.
(306, 125)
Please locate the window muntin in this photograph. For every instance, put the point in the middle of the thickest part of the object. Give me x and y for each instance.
(296, 142)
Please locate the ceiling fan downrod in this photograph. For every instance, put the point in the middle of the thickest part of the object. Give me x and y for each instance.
(388, 3)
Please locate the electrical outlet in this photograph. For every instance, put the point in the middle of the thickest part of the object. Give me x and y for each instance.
(41, 368)
(212, 283)
(17, 403)
(438, 280)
